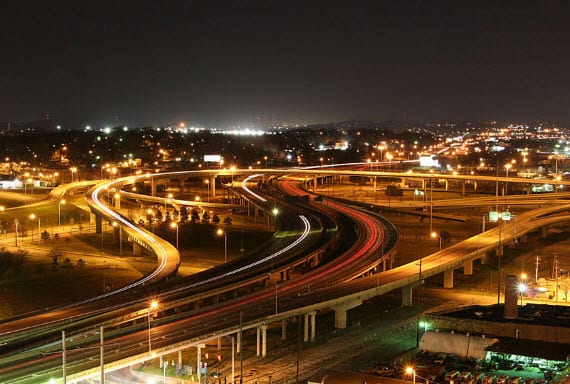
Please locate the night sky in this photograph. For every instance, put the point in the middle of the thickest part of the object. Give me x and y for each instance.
(231, 63)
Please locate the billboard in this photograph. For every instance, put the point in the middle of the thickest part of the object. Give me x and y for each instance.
(212, 158)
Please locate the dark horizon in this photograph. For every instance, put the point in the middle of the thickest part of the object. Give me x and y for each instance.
(220, 64)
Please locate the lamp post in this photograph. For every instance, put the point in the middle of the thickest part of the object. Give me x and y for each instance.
(411, 371)
(275, 212)
(33, 217)
(153, 306)
(207, 182)
(164, 365)
(507, 167)
(73, 170)
(62, 201)
(389, 156)
(221, 232)
(435, 235)
(174, 225)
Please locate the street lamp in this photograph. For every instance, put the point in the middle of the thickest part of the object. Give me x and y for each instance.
(221, 232)
(153, 306)
(389, 156)
(275, 212)
(174, 225)
(73, 170)
(207, 182)
(62, 201)
(435, 235)
(522, 287)
(33, 217)
(507, 167)
(411, 371)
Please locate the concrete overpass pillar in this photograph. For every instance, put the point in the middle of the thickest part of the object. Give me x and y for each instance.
(263, 340)
(306, 327)
(407, 296)
(117, 200)
(199, 361)
(468, 267)
(284, 329)
(238, 343)
(485, 258)
(213, 185)
(340, 312)
(524, 239)
(161, 361)
(219, 343)
(137, 249)
(180, 358)
(152, 187)
(463, 188)
(544, 233)
(446, 185)
(474, 185)
(116, 234)
(313, 317)
(374, 184)
(98, 224)
(448, 278)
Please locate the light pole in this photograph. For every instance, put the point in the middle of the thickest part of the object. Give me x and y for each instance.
(73, 170)
(522, 289)
(435, 235)
(275, 212)
(62, 201)
(174, 225)
(221, 232)
(207, 182)
(411, 371)
(164, 365)
(33, 217)
(507, 167)
(389, 156)
(153, 306)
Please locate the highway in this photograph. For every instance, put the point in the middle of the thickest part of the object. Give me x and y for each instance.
(319, 287)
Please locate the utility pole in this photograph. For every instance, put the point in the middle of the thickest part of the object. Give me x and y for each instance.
(536, 268)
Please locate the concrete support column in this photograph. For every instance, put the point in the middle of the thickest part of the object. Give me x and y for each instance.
(199, 361)
(485, 258)
(474, 185)
(463, 188)
(448, 278)
(213, 186)
(306, 328)
(161, 361)
(116, 234)
(137, 249)
(374, 185)
(468, 267)
(258, 341)
(284, 329)
(219, 343)
(524, 239)
(238, 342)
(180, 358)
(340, 312)
(315, 184)
(544, 233)
(446, 185)
(407, 296)
(117, 200)
(263, 340)
(313, 317)
(98, 225)
(152, 187)
(499, 250)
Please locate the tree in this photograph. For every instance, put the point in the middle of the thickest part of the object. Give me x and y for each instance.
(67, 263)
(55, 254)
(80, 264)
(45, 236)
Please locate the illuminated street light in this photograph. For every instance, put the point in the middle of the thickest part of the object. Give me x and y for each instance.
(207, 182)
(389, 156)
(434, 235)
(73, 170)
(62, 201)
(33, 217)
(411, 371)
(522, 287)
(153, 306)
(507, 167)
(174, 225)
(221, 232)
(275, 212)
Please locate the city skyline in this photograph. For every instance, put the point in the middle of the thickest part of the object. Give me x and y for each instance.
(227, 64)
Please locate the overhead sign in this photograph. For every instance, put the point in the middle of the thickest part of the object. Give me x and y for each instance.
(493, 216)
(212, 158)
